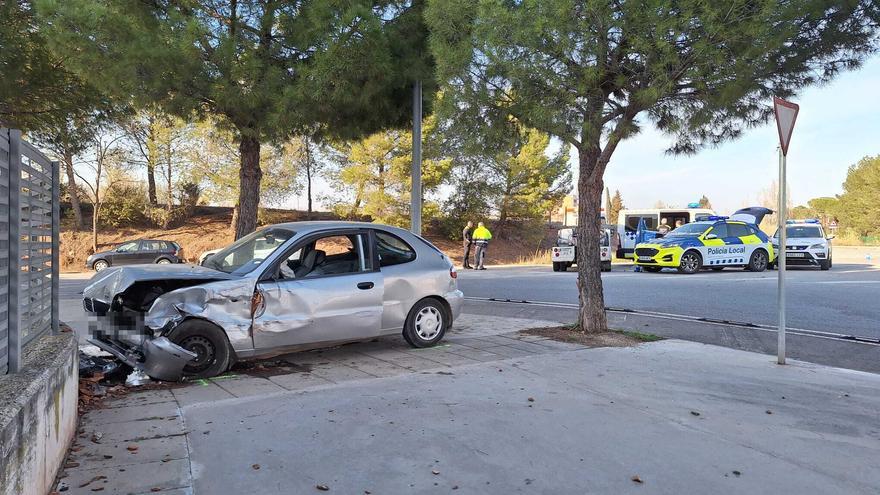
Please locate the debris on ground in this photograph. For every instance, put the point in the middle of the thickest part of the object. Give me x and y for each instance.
(137, 378)
(695, 413)
(636, 479)
(323, 488)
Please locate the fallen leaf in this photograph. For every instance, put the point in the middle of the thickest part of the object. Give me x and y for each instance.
(695, 413)
(637, 479)
(256, 466)
(323, 488)
(768, 411)
(435, 472)
(155, 489)
(97, 436)
(531, 399)
(132, 448)
(736, 473)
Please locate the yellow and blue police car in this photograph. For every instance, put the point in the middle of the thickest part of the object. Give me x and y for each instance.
(714, 242)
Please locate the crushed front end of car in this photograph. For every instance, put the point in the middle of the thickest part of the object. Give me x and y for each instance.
(133, 310)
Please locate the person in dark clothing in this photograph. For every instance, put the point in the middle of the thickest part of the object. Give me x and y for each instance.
(467, 240)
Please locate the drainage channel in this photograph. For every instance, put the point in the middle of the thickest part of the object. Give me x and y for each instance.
(699, 319)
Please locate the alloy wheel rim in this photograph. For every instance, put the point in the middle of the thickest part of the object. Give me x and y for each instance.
(690, 262)
(100, 265)
(760, 261)
(428, 323)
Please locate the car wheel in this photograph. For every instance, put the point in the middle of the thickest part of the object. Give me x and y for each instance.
(606, 266)
(100, 265)
(426, 323)
(652, 269)
(208, 342)
(556, 266)
(691, 261)
(825, 265)
(758, 262)
(163, 261)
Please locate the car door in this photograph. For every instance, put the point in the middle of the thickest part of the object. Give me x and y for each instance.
(125, 254)
(741, 241)
(714, 249)
(148, 252)
(325, 288)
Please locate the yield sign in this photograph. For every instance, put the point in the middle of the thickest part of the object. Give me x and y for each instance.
(786, 114)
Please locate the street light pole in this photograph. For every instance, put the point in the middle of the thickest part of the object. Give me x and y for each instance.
(416, 188)
(780, 257)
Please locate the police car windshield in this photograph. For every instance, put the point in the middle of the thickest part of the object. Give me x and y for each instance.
(801, 232)
(689, 230)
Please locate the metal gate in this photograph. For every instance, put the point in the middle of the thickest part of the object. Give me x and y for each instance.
(29, 236)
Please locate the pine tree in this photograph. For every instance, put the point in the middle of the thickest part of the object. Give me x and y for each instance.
(592, 73)
(266, 70)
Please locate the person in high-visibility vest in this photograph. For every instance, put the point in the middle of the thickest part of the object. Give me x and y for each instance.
(481, 237)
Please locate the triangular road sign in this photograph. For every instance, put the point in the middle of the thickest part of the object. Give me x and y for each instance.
(786, 114)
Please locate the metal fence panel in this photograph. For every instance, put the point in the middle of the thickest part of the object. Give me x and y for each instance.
(4, 250)
(30, 246)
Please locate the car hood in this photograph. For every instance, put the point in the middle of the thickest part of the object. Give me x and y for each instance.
(665, 242)
(105, 284)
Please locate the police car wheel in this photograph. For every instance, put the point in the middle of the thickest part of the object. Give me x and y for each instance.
(758, 262)
(691, 262)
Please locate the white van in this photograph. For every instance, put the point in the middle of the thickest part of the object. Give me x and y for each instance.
(628, 222)
(564, 253)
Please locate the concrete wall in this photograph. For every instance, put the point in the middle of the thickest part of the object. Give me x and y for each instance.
(38, 409)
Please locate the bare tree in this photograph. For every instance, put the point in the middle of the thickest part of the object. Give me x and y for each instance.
(106, 149)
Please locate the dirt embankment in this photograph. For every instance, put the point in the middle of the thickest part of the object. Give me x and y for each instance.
(209, 229)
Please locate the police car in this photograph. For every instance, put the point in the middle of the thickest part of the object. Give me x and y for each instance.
(806, 244)
(714, 242)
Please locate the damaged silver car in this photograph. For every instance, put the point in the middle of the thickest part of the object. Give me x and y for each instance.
(284, 288)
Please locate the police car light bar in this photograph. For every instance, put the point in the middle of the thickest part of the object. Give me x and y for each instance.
(716, 217)
(808, 220)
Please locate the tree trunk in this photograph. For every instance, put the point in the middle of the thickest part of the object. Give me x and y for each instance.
(151, 183)
(95, 210)
(249, 189)
(309, 188)
(592, 302)
(73, 192)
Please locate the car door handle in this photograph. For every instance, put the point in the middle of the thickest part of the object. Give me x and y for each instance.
(365, 285)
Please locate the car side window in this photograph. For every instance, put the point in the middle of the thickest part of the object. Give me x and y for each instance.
(329, 255)
(393, 250)
(720, 230)
(738, 230)
(128, 247)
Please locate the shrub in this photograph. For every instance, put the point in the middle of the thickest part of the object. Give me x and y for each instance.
(123, 206)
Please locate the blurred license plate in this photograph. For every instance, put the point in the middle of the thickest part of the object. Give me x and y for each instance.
(794, 255)
(645, 258)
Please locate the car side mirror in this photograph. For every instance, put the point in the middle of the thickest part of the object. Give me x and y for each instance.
(830, 237)
(709, 237)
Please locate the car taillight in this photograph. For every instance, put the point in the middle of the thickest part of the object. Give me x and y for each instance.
(453, 273)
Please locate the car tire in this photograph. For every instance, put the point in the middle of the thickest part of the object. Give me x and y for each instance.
(606, 266)
(209, 342)
(100, 265)
(426, 323)
(758, 261)
(557, 266)
(652, 269)
(690, 263)
(163, 261)
(825, 265)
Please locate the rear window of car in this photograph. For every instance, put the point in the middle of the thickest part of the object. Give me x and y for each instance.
(392, 249)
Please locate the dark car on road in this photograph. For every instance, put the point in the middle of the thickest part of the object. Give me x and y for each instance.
(137, 252)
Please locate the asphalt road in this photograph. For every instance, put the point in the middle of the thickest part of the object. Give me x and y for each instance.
(844, 300)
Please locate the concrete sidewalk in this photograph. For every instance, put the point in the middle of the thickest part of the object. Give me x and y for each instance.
(668, 417)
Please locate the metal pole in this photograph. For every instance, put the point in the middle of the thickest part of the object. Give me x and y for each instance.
(56, 240)
(13, 284)
(780, 263)
(416, 194)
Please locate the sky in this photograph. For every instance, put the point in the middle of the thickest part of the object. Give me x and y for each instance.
(838, 124)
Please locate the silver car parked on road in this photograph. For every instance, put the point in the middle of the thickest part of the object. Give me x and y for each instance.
(283, 288)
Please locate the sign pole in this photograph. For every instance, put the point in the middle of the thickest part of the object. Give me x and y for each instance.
(786, 115)
(780, 263)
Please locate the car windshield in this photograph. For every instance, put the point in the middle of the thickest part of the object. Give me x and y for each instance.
(689, 230)
(801, 232)
(244, 255)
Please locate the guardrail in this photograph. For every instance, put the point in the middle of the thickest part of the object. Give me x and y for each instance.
(29, 235)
